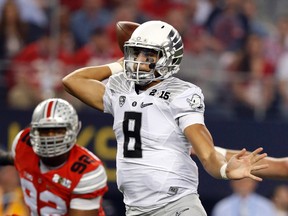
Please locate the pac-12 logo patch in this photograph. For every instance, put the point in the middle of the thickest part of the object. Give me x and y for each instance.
(195, 103)
(122, 100)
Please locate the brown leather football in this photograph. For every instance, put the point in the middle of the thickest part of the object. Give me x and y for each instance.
(124, 30)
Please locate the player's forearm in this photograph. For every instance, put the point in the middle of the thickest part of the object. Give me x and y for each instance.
(98, 73)
(86, 85)
(213, 164)
(278, 168)
(76, 212)
(6, 158)
(202, 141)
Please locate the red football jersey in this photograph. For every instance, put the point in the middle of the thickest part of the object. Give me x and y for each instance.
(50, 193)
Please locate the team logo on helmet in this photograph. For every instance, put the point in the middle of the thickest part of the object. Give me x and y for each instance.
(177, 46)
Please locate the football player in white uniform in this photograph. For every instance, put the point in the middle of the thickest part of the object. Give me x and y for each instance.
(157, 119)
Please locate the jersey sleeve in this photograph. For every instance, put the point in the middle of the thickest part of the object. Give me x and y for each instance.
(107, 98)
(86, 204)
(91, 185)
(189, 102)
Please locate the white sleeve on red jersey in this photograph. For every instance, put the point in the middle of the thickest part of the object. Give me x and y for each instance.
(92, 181)
(85, 204)
(89, 182)
(14, 143)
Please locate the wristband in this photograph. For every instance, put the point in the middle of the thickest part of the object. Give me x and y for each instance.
(223, 171)
(115, 67)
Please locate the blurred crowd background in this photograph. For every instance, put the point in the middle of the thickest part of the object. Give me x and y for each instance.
(235, 50)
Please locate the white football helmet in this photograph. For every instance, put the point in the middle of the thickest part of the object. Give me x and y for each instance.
(155, 36)
(54, 113)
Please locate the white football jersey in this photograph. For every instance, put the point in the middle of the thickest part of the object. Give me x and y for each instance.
(154, 166)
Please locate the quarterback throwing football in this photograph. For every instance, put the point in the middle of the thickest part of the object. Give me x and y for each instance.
(157, 120)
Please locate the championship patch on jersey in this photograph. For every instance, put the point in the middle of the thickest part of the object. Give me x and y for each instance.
(122, 100)
(195, 103)
(60, 180)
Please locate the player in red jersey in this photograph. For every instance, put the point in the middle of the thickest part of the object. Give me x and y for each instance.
(58, 177)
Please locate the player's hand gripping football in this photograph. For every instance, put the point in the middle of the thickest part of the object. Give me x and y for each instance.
(242, 165)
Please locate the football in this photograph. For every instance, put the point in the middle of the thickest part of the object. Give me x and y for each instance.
(124, 30)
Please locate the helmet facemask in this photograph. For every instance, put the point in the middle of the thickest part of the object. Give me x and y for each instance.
(133, 68)
(52, 146)
(60, 118)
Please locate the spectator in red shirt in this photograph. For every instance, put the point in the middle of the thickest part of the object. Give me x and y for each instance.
(97, 50)
(36, 72)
